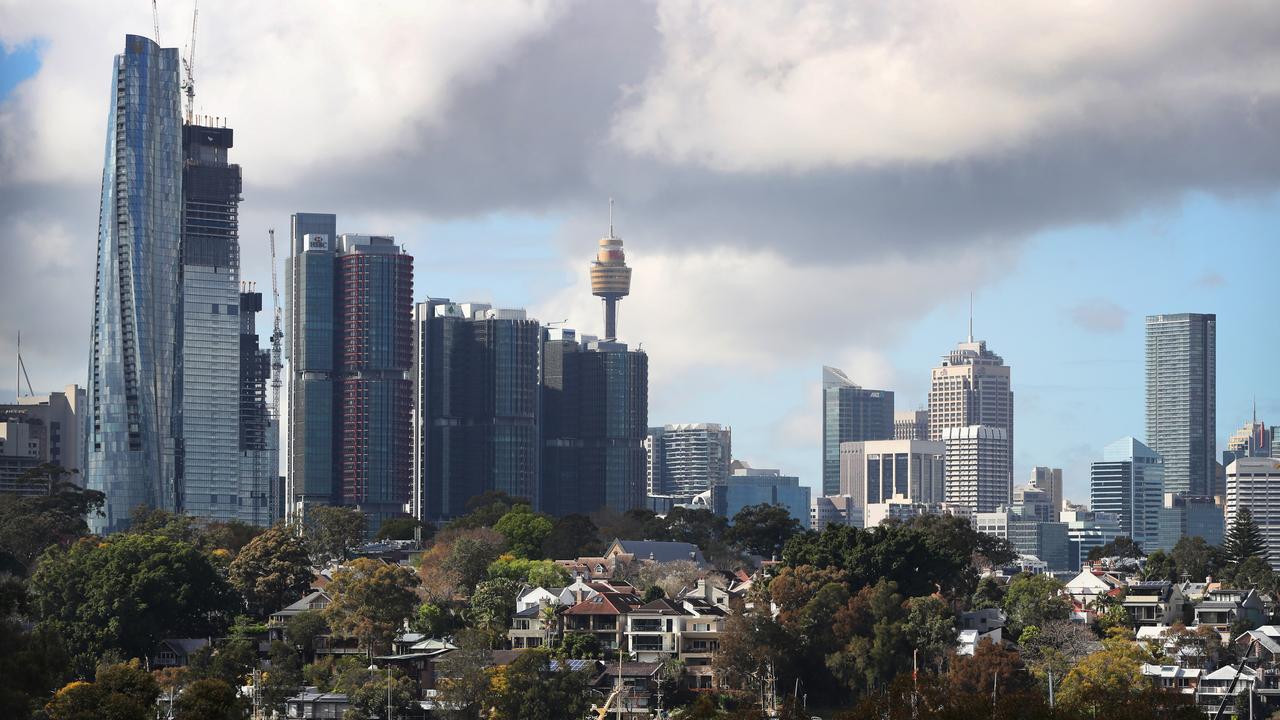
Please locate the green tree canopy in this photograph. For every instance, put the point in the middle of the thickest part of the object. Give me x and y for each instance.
(370, 600)
(126, 593)
(272, 571)
(537, 573)
(492, 604)
(209, 699)
(530, 689)
(579, 646)
(302, 629)
(122, 691)
(469, 559)
(31, 523)
(1195, 559)
(332, 532)
(571, 536)
(1123, 546)
(763, 529)
(485, 510)
(525, 531)
(1244, 539)
(1034, 600)
(403, 528)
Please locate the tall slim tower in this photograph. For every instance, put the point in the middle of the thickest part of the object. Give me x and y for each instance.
(972, 386)
(610, 278)
(1182, 399)
(130, 423)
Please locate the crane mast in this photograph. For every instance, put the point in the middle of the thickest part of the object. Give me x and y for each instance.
(277, 334)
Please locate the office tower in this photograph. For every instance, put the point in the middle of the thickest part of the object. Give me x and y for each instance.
(610, 278)
(350, 350)
(1254, 439)
(685, 460)
(878, 471)
(1049, 480)
(1029, 534)
(1189, 516)
(41, 429)
(595, 412)
(475, 416)
(1032, 502)
(130, 423)
(259, 440)
(749, 486)
(977, 466)
(1181, 372)
(1254, 483)
(1129, 483)
(208, 457)
(1086, 530)
(849, 414)
(972, 387)
(911, 425)
(827, 510)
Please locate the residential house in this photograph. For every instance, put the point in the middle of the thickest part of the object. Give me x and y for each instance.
(967, 641)
(1223, 608)
(1216, 686)
(1153, 602)
(314, 601)
(176, 652)
(416, 654)
(1086, 588)
(984, 620)
(639, 681)
(534, 626)
(624, 552)
(1262, 647)
(602, 615)
(311, 704)
(1173, 677)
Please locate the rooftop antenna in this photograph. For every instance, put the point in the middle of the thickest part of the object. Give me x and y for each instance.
(610, 217)
(155, 20)
(21, 372)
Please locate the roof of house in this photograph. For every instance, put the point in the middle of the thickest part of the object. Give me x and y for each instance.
(304, 604)
(658, 551)
(1227, 672)
(312, 695)
(605, 603)
(1170, 671)
(631, 669)
(661, 606)
(185, 645)
(704, 607)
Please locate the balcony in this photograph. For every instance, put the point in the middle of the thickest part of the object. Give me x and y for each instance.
(646, 626)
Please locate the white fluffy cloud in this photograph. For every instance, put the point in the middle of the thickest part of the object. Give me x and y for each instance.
(795, 86)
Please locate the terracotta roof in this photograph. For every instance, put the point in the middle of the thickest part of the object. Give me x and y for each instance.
(605, 603)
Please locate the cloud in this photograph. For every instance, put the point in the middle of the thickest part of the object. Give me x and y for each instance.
(1211, 280)
(1099, 315)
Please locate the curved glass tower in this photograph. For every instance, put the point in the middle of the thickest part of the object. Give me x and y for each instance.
(130, 420)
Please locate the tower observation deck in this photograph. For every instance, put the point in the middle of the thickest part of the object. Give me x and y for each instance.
(610, 277)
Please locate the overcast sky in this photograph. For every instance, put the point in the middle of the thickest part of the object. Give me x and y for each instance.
(797, 184)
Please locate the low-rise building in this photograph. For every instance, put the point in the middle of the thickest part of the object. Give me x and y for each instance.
(1223, 608)
(311, 704)
(1153, 602)
(1175, 678)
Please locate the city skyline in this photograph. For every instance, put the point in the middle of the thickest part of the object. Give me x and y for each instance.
(710, 370)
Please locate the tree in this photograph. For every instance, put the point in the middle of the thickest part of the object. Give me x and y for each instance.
(579, 646)
(1055, 647)
(989, 594)
(571, 536)
(403, 528)
(875, 644)
(463, 678)
(492, 605)
(209, 699)
(537, 573)
(128, 592)
(1034, 600)
(369, 698)
(302, 629)
(672, 576)
(433, 620)
(525, 531)
(991, 666)
(119, 692)
(272, 571)
(1160, 566)
(1252, 572)
(532, 690)
(31, 523)
(370, 600)
(231, 661)
(1195, 559)
(283, 679)
(1123, 546)
(331, 532)
(763, 529)
(931, 628)
(1244, 539)
(469, 559)
(484, 510)
(1102, 681)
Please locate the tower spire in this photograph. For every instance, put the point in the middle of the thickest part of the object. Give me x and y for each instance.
(970, 316)
(610, 277)
(610, 217)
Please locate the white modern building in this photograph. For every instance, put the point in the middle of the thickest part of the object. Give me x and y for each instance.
(881, 471)
(687, 459)
(1254, 483)
(977, 467)
(1129, 482)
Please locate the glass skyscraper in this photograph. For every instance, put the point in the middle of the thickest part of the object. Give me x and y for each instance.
(849, 414)
(131, 423)
(1181, 372)
(475, 406)
(1129, 482)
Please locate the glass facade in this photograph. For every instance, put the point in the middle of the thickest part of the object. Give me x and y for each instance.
(1181, 386)
(476, 410)
(685, 460)
(1129, 483)
(132, 423)
(849, 414)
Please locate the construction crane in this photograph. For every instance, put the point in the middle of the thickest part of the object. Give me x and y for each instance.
(155, 20)
(189, 65)
(277, 334)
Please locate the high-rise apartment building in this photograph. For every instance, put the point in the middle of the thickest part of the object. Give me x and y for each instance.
(595, 412)
(1254, 483)
(1049, 480)
(850, 414)
(350, 340)
(687, 459)
(1129, 483)
(475, 419)
(977, 466)
(1181, 378)
(41, 429)
(911, 425)
(131, 424)
(971, 387)
(208, 464)
(879, 471)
